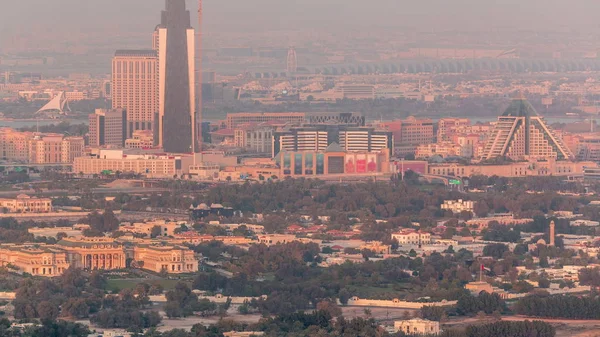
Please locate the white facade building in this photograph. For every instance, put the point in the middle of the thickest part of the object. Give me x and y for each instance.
(412, 237)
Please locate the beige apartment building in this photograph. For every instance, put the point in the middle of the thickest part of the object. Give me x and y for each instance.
(447, 126)
(135, 87)
(55, 149)
(26, 204)
(34, 148)
(14, 145)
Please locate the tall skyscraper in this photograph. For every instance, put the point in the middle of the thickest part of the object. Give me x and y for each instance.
(135, 87)
(176, 77)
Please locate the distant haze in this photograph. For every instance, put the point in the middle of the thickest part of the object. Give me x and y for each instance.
(138, 16)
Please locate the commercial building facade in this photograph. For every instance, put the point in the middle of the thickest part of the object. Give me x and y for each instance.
(410, 133)
(320, 137)
(107, 127)
(518, 169)
(332, 162)
(151, 165)
(257, 139)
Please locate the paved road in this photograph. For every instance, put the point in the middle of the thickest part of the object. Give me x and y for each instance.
(100, 190)
(130, 215)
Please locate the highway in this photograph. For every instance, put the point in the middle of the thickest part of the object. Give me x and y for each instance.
(100, 190)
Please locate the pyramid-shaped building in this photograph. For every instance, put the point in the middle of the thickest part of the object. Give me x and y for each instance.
(521, 134)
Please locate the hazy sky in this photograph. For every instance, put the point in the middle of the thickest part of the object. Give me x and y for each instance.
(137, 16)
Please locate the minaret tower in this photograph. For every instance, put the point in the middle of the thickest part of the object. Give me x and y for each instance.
(552, 233)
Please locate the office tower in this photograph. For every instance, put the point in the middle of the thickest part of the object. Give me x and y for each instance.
(176, 113)
(134, 87)
(108, 127)
(292, 60)
(521, 133)
(410, 133)
(254, 138)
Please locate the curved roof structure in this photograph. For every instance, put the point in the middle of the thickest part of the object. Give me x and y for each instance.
(57, 104)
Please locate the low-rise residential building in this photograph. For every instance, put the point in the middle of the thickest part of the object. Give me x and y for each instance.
(377, 247)
(458, 206)
(417, 326)
(412, 237)
(273, 239)
(502, 219)
(26, 204)
(258, 229)
(167, 228)
(587, 223)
